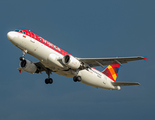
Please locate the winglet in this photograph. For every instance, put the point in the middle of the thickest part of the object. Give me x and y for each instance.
(20, 69)
(145, 58)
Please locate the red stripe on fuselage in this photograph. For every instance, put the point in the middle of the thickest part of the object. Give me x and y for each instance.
(45, 42)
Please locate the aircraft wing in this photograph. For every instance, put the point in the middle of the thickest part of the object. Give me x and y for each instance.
(92, 62)
(41, 67)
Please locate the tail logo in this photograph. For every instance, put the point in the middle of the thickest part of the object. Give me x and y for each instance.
(112, 71)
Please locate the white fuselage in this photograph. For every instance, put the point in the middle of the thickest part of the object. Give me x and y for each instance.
(49, 58)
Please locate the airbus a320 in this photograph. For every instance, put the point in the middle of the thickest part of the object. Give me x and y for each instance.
(54, 59)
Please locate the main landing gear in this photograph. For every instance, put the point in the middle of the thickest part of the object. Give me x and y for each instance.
(77, 79)
(48, 80)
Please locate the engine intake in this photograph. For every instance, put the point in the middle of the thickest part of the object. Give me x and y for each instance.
(71, 62)
(28, 66)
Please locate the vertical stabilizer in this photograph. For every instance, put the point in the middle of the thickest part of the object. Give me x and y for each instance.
(112, 71)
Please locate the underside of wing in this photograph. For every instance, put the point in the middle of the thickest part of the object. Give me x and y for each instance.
(41, 67)
(92, 62)
(32, 67)
(124, 83)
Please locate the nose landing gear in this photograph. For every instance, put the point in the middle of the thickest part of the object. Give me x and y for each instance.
(24, 52)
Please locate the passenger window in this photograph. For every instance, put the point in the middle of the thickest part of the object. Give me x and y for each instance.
(28, 33)
(34, 36)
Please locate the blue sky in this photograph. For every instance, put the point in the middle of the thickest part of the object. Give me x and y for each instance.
(84, 28)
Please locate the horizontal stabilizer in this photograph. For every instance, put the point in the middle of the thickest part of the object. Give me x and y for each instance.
(124, 83)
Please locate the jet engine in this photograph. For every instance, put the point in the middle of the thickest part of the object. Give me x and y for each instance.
(71, 62)
(28, 66)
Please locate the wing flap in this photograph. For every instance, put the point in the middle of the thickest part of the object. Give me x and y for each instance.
(124, 83)
(92, 62)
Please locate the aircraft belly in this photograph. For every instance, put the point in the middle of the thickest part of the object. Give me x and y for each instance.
(65, 73)
(92, 79)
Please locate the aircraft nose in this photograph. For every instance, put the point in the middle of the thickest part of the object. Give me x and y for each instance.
(10, 35)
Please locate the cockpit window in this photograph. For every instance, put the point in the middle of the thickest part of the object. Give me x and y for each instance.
(20, 31)
(17, 30)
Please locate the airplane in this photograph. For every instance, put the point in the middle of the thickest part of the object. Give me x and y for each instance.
(54, 59)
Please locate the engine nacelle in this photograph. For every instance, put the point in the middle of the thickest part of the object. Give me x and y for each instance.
(71, 62)
(28, 66)
(53, 61)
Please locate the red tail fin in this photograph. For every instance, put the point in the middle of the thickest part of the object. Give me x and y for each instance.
(112, 71)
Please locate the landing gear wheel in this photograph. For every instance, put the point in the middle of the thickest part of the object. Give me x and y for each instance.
(48, 80)
(21, 58)
(76, 78)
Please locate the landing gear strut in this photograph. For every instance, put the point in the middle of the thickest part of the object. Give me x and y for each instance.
(22, 58)
(48, 80)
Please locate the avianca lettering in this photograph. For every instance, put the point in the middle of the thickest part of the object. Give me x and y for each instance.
(42, 40)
